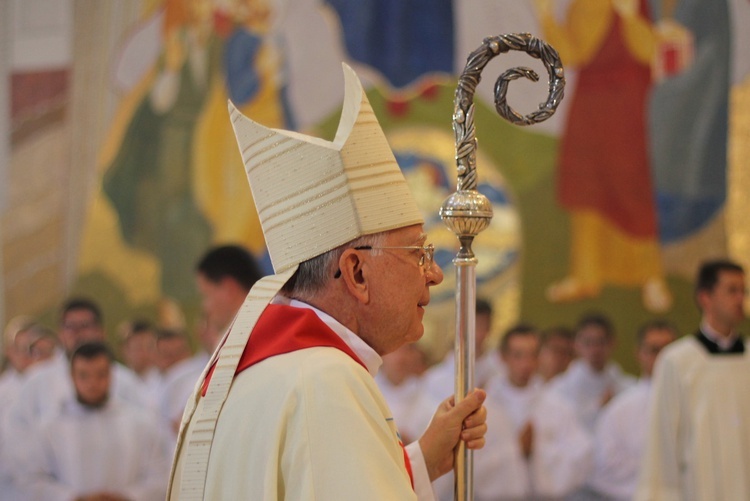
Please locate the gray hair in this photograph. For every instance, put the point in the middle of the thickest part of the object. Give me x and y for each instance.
(313, 275)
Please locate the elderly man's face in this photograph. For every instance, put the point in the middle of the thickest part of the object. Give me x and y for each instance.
(400, 290)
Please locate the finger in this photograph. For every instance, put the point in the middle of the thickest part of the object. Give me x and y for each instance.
(475, 444)
(471, 403)
(448, 403)
(476, 418)
(474, 433)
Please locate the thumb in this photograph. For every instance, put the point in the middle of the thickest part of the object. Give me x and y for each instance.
(472, 402)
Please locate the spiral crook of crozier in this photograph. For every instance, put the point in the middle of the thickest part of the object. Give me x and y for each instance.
(468, 212)
(463, 115)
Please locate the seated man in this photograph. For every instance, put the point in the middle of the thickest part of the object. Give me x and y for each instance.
(180, 370)
(48, 384)
(536, 447)
(96, 447)
(593, 378)
(400, 381)
(21, 334)
(556, 353)
(20, 337)
(138, 349)
(224, 276)
(621, 430)
(441, 378)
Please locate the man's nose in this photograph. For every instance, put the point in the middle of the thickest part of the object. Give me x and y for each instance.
(434, 274)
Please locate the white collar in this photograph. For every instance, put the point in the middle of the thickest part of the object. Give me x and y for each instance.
(723, 342)
(364, 352)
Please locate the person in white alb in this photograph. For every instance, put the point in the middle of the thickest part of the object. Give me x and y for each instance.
(698, 445)
(19, 338)
(288, 408)
(224, 275)
(96, 447)
(180, 369)
(400, 381)
(556, 353)
(593, 378)
(536, 448)
(16, 341)
(620, 437)
(138, 348)
(48, 385)
(441, 378)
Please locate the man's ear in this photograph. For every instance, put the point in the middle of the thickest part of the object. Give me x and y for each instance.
(228, 283)
(351, 265)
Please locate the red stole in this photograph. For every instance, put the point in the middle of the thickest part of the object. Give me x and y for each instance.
(284, 329)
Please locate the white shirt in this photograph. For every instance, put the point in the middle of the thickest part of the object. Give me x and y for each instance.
(620, 441)
(584, 389)
(118, 448)
(698, 445)
(152, 380)
(412, 408)
(10, 385)
(46, 389)
(440, 380)
(561, 452)
(178, 383)
(49, 385)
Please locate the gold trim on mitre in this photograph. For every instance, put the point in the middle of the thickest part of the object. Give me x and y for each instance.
(314, 195)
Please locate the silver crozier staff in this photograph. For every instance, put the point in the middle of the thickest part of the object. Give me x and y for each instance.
(467, 212)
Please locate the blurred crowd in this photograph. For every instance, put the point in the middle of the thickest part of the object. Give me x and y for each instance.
(77, 424)
(564, 420)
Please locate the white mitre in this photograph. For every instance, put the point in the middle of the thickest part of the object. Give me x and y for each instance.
(312, 196)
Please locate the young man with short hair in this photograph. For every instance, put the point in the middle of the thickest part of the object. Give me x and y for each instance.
(593, 378)
(620, 438)
(536, 447)
(96, 446)
(699, 425)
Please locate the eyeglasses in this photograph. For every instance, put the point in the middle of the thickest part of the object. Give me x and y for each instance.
(79, 326)
(425, 259)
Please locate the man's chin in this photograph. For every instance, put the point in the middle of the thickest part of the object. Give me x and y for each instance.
(92, 404)
(418, 333)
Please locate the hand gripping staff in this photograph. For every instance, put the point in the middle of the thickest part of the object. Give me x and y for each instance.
(467, 212)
